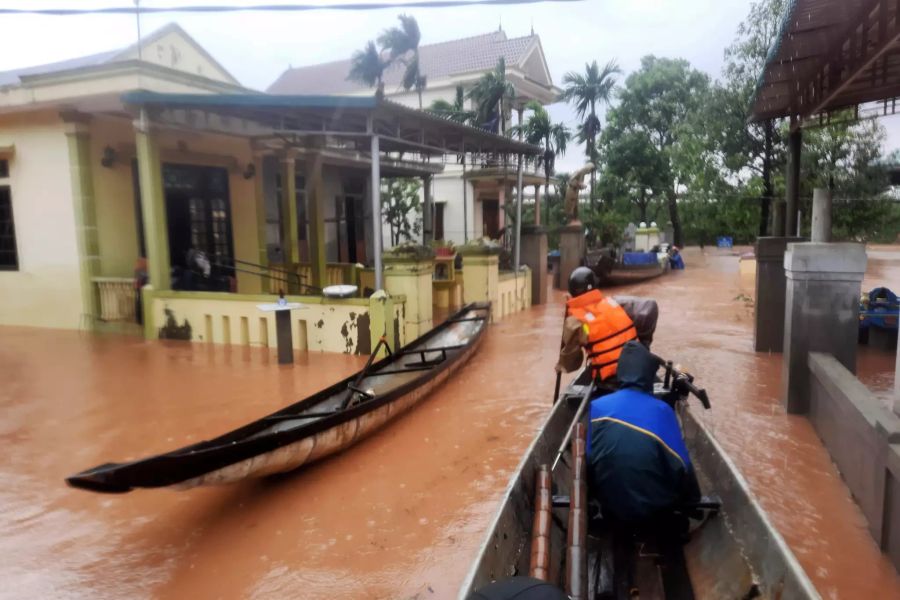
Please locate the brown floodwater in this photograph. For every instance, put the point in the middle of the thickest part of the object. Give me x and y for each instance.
(397, 516)
(401, 514)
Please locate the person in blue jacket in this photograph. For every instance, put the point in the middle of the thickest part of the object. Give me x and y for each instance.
(639, 468)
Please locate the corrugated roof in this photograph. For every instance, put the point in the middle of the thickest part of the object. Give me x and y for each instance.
(455, 57)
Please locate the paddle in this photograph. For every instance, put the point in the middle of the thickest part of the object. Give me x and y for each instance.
(561, 345)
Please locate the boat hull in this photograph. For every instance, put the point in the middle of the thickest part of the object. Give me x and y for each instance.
(326, 422)
(736, 553)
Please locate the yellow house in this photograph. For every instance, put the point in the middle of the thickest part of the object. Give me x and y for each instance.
(158, 152)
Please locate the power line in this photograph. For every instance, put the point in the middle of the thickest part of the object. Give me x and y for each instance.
(147, 10)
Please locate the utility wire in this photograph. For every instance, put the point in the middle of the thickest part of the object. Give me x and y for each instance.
(148, 10)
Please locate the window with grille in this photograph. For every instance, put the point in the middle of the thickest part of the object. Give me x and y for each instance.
(9, 256)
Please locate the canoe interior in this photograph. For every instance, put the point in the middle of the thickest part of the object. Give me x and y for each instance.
(325, 420)
(736, 553)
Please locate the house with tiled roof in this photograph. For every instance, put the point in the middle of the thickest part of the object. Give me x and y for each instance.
(471, 204)
(144, 190)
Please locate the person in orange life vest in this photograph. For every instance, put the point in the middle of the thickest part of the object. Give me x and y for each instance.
(601, 325)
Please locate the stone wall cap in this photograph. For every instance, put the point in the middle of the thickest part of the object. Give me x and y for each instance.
(848, 259)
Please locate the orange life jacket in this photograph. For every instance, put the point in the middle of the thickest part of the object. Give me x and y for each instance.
(608, 327)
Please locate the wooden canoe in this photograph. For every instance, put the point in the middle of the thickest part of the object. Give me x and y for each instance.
(610, 273)
(736, 553)
(310, 429)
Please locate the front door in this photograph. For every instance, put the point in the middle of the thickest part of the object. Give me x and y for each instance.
(198, 211)
(490, 218)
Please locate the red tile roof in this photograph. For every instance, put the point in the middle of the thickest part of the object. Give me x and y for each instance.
(438, 61)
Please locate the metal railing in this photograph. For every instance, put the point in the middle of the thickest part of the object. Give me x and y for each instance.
(117, 296)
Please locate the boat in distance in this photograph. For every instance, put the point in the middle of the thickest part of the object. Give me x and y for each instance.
(313, 428)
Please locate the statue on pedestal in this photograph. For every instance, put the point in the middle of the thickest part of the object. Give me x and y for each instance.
(576, 184)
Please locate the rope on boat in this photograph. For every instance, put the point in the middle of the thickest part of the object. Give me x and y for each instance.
(540, 530)
(576, 551)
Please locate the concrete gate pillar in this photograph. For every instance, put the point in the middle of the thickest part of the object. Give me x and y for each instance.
(821, 311)
(571, 252)
(821, 216)
(768, 325)
(410, 275)
(534, 254)
(480, 273)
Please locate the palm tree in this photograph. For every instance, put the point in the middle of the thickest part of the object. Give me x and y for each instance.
(493, 94)
(455, 111)
(539, 130)
(367, 66)
(585, 91)
(402, 43)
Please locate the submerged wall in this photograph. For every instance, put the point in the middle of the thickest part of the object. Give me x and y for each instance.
(863, 439)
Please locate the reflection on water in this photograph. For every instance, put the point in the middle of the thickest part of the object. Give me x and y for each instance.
(401, 514)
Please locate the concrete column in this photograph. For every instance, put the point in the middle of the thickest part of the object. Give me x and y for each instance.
(534, 254)
(897, 379)
(520, 190)
(411, 276)
(571, 251)
(768, 325)
(537, 205)
(153, 205)
(481, 274)
(821, 216)
(501, 204)
(465, 186)
(315, 214)
(382, 321)
(259, 198)
(821, 311)
(79, 142)
(427, 211)
(792, 184)
(289, 217)
(778, 209)
(375, 186)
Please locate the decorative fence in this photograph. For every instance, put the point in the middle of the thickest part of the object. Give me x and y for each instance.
(117, 295)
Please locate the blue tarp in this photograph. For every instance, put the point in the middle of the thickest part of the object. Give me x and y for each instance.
(881, 309)
(639, 258)
(724, 241)
(676, 262)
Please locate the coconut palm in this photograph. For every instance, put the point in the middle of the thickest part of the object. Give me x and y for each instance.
(493, 94)
(402, 44)
(585, 91)
(455, 111)
(540, 130)
(367, 66)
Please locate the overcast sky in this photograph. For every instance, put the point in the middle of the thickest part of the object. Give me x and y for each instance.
(257, 47)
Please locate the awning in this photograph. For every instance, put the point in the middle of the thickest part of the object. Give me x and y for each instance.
(349, 121)
(830, 55)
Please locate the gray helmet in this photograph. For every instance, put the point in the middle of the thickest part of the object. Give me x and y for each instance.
(581, 280)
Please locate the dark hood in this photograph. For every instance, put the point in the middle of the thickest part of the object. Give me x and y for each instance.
(637, 367)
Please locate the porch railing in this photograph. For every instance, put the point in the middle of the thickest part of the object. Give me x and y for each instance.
(117, 295)
(335, 274)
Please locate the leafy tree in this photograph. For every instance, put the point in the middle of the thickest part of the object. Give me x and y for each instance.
(846, 158)
(657, 101)
(455, 111)
(367, 66)
(585, 91)
(633, 168)
(540, 130)
(493, 95)
(400, 208)
(757, 149)
(402, 44)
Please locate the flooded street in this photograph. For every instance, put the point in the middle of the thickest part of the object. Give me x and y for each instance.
(398, 516)
(401, 514)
